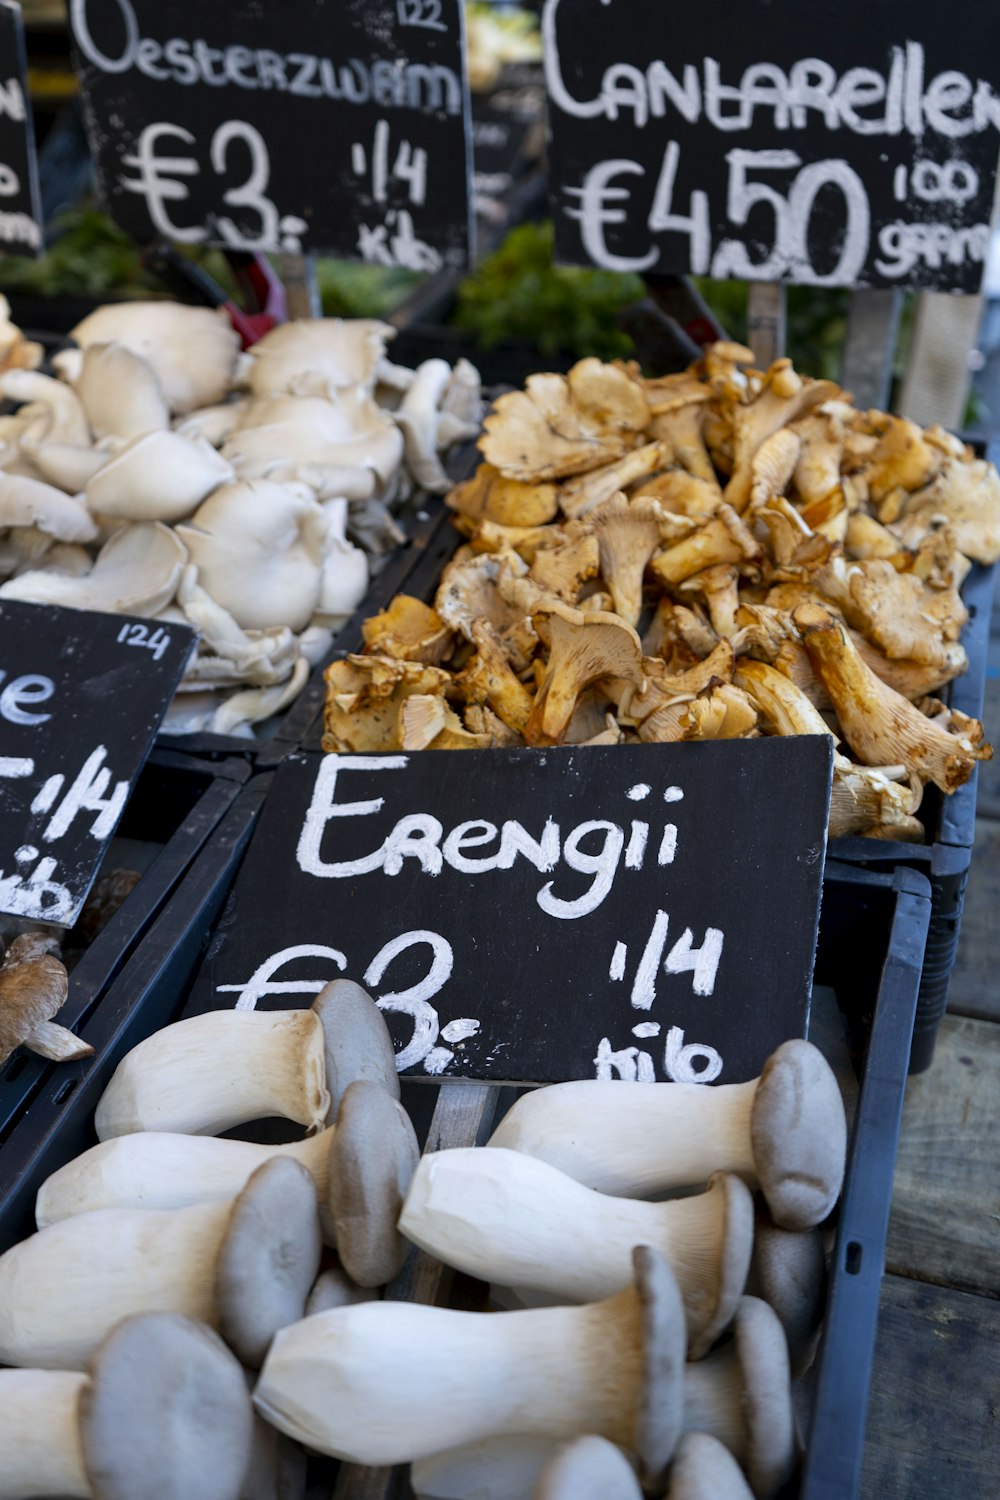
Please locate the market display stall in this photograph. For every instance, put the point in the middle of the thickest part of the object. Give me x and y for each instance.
(521, 1124)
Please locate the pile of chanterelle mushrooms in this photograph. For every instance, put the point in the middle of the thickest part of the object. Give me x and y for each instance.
(667, 1330)
(722, 553)
(165, 475)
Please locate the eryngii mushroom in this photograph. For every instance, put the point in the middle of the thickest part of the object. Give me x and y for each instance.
(628, 533)
(881, 727)
(503, 1216)
(136, 572)
(33, 988)
(157, 476)
(588, 1468)
(784, 1131)
(370, 1152)
(704, 1469)
(208, 1073)
(583, 647)
(389, 1382)
(788, 1272)
(723, 539)
(506, 1468)
(244, 1266)
(191, 349)
(120, 392)
(162, 1413)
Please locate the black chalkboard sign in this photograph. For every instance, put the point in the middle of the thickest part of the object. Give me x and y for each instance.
(776, 140)
(20, 203)
(644, 911)
(330, 125)
(81, 698)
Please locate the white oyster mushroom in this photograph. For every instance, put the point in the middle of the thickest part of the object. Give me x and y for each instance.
(318, 356)
(160, 476)
(315, 642)
(192, 349)
(27, 502)
(348, 436)
(136, 572)
(120, 392)
(345, 568)
(57, 413)
(213, 423)
(67, 364)
(65, 465)
(228, 655)
(253, 704)
(418, 418)
(258, 548)
(461, 405)
(190, 713)
(66, 557)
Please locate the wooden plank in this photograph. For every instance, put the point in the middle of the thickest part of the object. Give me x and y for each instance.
(934, 1416)
(988, 791)
(975, 980)
(946, 1200)
(298, 273)
(936, 383)
(766, 321)
(872, 329)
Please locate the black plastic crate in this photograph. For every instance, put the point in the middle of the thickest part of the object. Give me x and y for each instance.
(124, 987)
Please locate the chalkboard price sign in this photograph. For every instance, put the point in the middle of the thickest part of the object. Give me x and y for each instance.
(310, 125)
(20, 204)
(776, 141)
(81, 698)
(645, 912)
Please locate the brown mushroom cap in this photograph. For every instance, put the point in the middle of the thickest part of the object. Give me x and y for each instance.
(660, 1408)
(372, 1160)
(704, 1469)
(33, 987)
(588, 1468)
(166, 1414)
(798, 1131)
(736, 1248)
(269, 1257)
(788, 1271)
(358, 1044)
(767, 1397)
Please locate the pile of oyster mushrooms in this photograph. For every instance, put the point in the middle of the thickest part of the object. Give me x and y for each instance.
(722, 553)
(164, 474)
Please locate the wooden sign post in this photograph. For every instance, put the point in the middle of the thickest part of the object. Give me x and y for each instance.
(21, 225)
(81, 699)
(643, 912)
(315, 125)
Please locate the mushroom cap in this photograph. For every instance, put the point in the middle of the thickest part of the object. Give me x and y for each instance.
(120, 392)
(334, 1288)
(166, 1414)
(767, 1396)
(33, 987)
(29, 502)
(704, 1469)
(372, 1161)
(798, 1131)
(660, 1407)
(788, 1271)
(588, 1468)
(736, 1248)
(157, 476)
(358, 1044)
(312, 356)
(191, 349)
(269, 1257)
(137, 572)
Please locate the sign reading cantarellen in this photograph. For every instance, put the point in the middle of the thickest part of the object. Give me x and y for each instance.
(817, 143)
(20, 204)
(81, 698)
(635, 911)
(305, 125)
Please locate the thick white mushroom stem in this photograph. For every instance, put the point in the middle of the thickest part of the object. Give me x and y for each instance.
(165, 1170)
(206, 1074)
(785, 1132)
(64, 1288)
(503, 1216)
(388, 1382)
(40, 1435)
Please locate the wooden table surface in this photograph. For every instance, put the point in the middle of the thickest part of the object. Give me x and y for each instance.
(934, 1415)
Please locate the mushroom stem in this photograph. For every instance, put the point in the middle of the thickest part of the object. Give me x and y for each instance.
(176, 1080)
(57, 1043)
(506, 1468)
(40, 1435)
(784, 1131)
(500, 1215)
(243, 1266)
(204, 1075)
